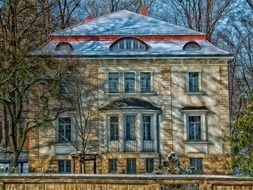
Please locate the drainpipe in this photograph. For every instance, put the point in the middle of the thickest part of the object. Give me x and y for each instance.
(158, 137)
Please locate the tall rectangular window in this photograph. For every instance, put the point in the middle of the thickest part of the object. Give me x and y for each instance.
(64, 129)
(64, 166)
(146, 127)
(112, 166)
(130, 127)
(193, 82)
(149, 165)
(196, 164)
(113, 82)
(131, 166)
(24, 168)
(145, 82)
(4, 167)
(129, 82)
(114, 128)
(194, 128)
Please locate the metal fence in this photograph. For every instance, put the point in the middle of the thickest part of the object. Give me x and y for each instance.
(130, 146)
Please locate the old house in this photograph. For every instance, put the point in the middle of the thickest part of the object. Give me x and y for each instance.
(158, 88)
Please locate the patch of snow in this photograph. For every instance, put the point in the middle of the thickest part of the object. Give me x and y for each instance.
(155, 48)
(125, 23)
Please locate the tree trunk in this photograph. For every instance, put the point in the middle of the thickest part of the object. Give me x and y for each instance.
(14, 160)
(84, 167)
(2, 128)
(208, 19)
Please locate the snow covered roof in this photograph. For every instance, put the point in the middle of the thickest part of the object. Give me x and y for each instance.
(93, 39)
(170, 48)
(125, 23)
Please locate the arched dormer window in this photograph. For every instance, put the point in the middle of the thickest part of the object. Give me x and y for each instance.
(129, 43)
(191, 46)
(64, 46)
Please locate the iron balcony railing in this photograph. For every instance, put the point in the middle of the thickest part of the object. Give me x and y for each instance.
(130, 146)
(148, 146)
(114, 146)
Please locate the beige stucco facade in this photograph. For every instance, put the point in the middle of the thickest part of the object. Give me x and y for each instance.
(168, 125)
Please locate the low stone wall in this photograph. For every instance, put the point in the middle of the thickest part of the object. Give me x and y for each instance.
(123, 182)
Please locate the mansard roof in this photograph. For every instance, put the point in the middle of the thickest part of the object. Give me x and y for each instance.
(94, 38)
(171, 48)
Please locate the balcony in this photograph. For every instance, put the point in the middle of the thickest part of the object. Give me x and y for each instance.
(114, 146)
(130, 146)
(148, 146)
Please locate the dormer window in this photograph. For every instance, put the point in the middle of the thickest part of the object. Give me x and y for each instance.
(129, 43)
(191, 46)
(64, 46)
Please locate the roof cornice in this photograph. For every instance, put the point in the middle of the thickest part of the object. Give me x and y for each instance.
(228, 56)
(115, 37)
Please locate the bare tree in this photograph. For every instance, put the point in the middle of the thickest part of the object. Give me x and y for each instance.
(24, 81)
(201, 15)
(95, 8)
(64, 12)
(24, 96)
(238, 39)
(80, 95)
(250, 3)
(45, 7)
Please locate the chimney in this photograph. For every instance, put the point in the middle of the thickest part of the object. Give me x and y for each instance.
(88, 19)
(144, 10)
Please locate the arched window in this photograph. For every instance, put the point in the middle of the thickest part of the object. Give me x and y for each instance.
(189, 46)
(128, 43)
(64, 46)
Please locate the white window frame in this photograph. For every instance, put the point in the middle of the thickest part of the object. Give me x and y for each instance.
(22, 166)
(115, 165)
(133, 163)
(119, 82)
(151, 81)
(109, 126)
(135, 126)
(122, 45)
(204, 126)
(64, 161)
(73, 132)
(194, 129)
(199, 81)
(147, 165)
(196, 159)
(151, 126)
(135, 81)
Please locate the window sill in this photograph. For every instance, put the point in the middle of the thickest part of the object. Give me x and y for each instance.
(148, 93)
(194, 93)
(197, 142)
(131, 94)
(64, 143)
(113, 93)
